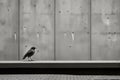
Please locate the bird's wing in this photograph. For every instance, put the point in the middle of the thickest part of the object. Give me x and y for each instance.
(29, 51)
(27, 54)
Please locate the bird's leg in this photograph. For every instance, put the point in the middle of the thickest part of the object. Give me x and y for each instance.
(31, 59)
(28, 59)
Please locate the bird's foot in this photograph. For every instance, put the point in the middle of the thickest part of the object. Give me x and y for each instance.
(32, 60)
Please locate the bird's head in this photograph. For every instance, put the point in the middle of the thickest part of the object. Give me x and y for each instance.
(33, 48)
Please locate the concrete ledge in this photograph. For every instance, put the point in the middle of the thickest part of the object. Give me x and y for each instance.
(113, 61)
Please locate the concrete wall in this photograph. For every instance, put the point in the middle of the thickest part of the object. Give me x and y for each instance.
(72, 29)
(8, 29)
(37, 28)
(105, 29)
(60, 29)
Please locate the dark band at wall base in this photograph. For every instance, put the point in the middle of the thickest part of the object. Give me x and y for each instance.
(69, 71)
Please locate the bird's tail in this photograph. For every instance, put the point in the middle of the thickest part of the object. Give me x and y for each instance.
(24, 56)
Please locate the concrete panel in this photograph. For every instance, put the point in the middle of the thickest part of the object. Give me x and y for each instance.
(72, 29)
(8, 30)
(105, 29)
(37, 28)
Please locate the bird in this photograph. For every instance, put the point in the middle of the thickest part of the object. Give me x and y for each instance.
(30, 53)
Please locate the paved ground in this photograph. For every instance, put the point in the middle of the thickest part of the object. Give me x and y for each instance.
(57, 77)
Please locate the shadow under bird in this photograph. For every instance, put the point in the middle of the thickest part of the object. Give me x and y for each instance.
(30, 53)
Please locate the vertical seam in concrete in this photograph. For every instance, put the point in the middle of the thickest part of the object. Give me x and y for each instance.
(18, 29)
(54, 29)
(90, 29)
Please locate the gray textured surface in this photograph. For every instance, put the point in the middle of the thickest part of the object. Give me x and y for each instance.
(37, 28)
(60, 29)
(105, 29)
(72, 29)
(57, 77)
(8, 29)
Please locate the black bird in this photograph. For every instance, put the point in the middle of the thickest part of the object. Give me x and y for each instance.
(30, 53)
